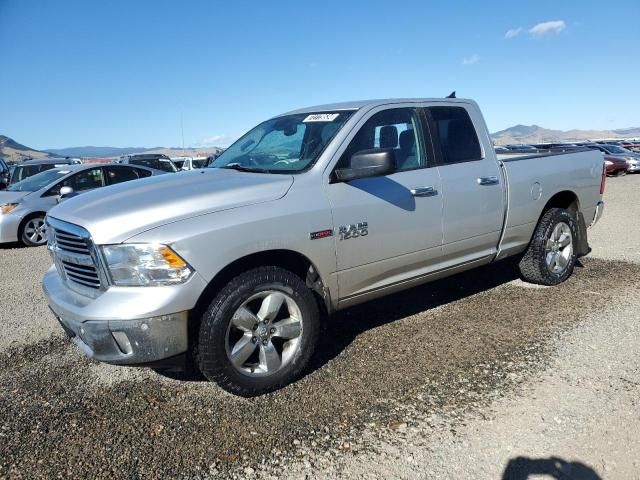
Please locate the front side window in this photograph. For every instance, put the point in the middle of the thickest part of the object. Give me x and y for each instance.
(85, 180)
(394, 129)
(285, 144)
(455, 134)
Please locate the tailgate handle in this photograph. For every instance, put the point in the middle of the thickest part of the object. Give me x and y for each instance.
(424, 192)
(491, 180)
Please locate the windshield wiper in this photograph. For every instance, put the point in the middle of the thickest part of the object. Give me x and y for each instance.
(242, 168)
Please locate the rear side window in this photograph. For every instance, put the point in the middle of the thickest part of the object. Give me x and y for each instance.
(143, 173)
(455, 134)
(120, 174)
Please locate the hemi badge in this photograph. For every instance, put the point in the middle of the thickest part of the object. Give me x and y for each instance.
(320, 234)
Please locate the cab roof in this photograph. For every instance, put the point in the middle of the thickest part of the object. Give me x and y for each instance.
(358, 104)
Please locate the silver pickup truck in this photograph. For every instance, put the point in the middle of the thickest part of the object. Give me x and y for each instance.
(234, 267)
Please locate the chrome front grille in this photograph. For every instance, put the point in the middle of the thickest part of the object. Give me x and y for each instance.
(71, 243)
(75, 257)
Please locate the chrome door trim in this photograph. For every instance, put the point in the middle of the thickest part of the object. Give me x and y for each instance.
(424, 191)
(490, 180)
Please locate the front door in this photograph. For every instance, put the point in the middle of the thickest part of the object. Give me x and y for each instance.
(389, 228)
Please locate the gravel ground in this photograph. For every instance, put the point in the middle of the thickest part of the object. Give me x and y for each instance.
(451, 380)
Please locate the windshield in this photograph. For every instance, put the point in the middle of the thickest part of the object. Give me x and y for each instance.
(38, 181)
(284, 144)
(24, 171)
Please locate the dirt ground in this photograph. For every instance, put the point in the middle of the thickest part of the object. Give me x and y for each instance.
(476, 376)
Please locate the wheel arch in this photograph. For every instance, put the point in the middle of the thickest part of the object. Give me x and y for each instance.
(569, 200)
(290, 260)
(563, 199)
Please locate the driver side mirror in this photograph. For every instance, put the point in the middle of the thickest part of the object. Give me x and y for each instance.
(65, 192)
(368, 163)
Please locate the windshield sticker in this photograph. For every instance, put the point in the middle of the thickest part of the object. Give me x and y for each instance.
(321, 117)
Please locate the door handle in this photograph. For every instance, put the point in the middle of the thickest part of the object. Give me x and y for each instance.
(424, 192)
(490, 180)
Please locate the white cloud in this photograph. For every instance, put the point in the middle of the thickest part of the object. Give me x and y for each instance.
(513, 32)
(473, 59)
(545, 28)
(223, 140)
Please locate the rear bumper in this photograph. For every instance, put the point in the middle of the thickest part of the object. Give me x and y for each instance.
(598, 213)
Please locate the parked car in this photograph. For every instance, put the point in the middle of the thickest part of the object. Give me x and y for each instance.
(24, 204)
(634, 146)
(311, 211)
(500, 149)
(615, 166)
(632, 159)
(189, 163)
(28, 168)
(4, 175)
(150, 160)
(522, 148)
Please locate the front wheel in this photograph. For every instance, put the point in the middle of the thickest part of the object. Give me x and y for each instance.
(551, 255)
(34, 231)
(259, 332)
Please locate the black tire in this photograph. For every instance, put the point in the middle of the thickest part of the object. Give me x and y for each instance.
(24, 236)
(212, 357)
(533, 265)
(621, 173)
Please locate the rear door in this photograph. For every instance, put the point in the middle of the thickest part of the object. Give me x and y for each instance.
(388, 228)
(472, 190)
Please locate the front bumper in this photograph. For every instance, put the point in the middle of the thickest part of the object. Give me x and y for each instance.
(9, 225)
(125, 326)
(598, 213)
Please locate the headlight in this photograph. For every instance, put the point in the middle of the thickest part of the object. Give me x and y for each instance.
(8, 207)
(143, 264)
(608, 162)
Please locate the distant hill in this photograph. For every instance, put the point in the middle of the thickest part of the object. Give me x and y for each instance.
(12, 151)
(104, 152)
(537, 134)
(96, 152)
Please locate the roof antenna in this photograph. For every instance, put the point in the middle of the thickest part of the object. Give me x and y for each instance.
(452, 95)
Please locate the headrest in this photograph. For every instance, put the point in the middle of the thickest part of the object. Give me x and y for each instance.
(407, 140)
(388, 137)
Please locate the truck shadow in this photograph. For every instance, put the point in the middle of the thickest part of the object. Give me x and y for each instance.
(343, 327)
(524, 468)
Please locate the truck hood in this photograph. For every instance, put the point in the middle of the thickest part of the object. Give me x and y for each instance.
(12, 197)
(114, 214)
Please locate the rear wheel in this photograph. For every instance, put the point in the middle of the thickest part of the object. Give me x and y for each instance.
(34, 231)
(551, 255)
(259, 332)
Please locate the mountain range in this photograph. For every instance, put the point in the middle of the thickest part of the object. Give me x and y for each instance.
(12, 151)
(537, 134)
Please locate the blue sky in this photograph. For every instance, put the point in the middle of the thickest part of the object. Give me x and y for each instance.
(121, 73)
